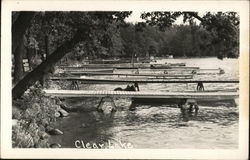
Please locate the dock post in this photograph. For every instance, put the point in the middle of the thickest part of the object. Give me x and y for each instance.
(196, 109)
(137, 71)
(99, 107)
(200, 86)
(74, 85)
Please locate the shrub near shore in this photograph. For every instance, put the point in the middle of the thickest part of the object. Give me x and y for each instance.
(32, 115)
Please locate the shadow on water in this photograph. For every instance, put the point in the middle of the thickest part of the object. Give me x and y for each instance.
(85, 124)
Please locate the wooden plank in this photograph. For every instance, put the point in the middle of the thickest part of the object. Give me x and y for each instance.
(142, 94)
(128, 66)
(89, 70)
(124, 79)
(140, 69)
(166, 77)
(130, 74)
(159, 67)
(181, 68)
(176, 64)
(122, 65)
(130, 80)
(146, 71)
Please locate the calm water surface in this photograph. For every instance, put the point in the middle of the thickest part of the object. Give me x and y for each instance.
(156, 125)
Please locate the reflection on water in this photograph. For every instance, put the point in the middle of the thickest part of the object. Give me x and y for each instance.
(155, 126)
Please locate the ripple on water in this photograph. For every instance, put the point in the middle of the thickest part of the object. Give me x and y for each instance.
(157, 126)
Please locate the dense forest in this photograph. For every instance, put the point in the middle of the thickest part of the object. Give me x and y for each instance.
(178, 40)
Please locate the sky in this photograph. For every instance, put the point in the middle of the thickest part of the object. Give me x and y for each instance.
(134, 17)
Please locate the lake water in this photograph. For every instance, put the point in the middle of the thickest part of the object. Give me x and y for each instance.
(156, 125)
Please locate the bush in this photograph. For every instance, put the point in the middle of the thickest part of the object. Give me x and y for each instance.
(34, 112)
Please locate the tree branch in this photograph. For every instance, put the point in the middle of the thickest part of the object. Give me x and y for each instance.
(195, 15)
(42, 69)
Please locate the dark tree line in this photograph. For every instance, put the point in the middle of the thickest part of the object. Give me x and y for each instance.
(217, 34)
(178, 40)
(44, 38)
(223, 28)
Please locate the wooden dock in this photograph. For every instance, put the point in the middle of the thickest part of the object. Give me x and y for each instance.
(176, 69)
(142, 94)
(108, 66)
(128, 66)
(176, 64)
(159, 67)
(146, 71)
(142, 70)
(88, 70)
(139, 80)
(130, 74)
(114, 65)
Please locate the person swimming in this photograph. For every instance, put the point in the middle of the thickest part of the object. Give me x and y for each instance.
(188, 107)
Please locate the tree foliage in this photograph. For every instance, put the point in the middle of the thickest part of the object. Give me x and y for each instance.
(85, 27)
(223, 26)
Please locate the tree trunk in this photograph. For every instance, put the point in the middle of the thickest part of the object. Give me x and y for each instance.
(19, 27)
(18, 62)
(46, 38)
(29, 57)
(43, 69)
(18, 30)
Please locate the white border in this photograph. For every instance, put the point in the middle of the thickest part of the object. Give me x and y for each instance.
(65, 5)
